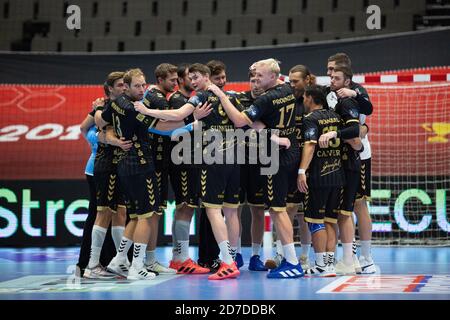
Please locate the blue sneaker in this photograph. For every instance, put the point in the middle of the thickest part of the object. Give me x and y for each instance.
(256, 264)
(286, 270)
(239, 260)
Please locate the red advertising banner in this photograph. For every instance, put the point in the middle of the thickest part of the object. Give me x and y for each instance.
(40, 137)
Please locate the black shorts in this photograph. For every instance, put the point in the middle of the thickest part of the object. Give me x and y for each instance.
(185, 183)
(365, 180)
(220, 185)
(348, 192)
(109, 194)
(321, 204)
(252, 185)
(295, 198)
(277, 187)
(162, 182)
(142, 195)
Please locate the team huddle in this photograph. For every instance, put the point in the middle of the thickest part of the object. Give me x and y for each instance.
(303, 153)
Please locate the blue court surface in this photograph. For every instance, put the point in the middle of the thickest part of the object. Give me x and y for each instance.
(405, 273)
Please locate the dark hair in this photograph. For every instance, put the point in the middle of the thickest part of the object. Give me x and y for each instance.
(345, 69)
(304, 70)
(181, 69)
(317, 94)
(163, 70)
(112, 77)
(198, 67)
(216, 67)
(340, 58)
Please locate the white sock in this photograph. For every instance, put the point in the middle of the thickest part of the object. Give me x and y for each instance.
(117, 234)
(321, 259)
(289, 253)
(365, 249)
(330, 258)
(138, 255)
(354, 246)
(124, 247)
(238, 250)
(348, 253)
(181, 231)
(150, 257)
(98, 237)
(256, 248)
(305, 249)
(225, 251)
(183, 253)
(279, 247)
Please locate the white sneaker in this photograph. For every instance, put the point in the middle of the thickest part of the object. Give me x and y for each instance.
(330, 270)
(321, 271)
(356, 264)
(304, 262)
(98, 272)
(275, 262)
(367, 265)
(344, 269)
(119, 267)
(140, 274)
(157, 267)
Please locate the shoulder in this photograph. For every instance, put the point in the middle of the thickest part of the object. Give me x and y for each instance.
(358, 88)
(175, 96)
(156, 94)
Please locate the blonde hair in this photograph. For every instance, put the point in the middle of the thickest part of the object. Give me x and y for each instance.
(130, 74)
(272, 64)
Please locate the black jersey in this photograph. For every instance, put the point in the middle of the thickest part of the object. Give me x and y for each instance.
(250, 145)
(276, 109)
(362, 97)
(300, 113)
(326, 168)
(217, 120)
(161, 145)
(105, 153)
(176, 101)
(347, 109)
(131, 125)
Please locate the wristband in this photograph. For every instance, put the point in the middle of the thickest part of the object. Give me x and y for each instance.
(301, 171)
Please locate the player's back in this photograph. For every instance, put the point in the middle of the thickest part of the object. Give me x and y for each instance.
(326, 166)
(131, 125)
(277, 106)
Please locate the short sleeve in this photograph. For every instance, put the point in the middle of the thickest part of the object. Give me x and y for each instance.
(200, 97)
(107, 113)
(310, 130)
(349, 111)
(257, 110)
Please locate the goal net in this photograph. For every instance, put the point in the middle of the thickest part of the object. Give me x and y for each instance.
(409, 136)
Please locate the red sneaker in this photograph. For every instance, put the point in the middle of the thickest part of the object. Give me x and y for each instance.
(225, 271)
(174, 264)
(188, 267)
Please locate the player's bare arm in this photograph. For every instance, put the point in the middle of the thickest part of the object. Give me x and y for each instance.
(234, 114)
(307, 155)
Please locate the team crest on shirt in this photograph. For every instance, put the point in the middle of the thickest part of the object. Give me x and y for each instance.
(310, 133)
(354, 113)
(252, 112)
(332, 100)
